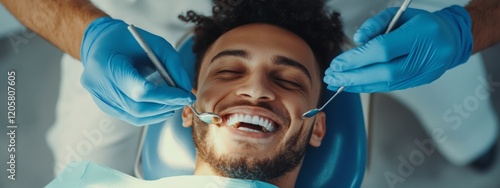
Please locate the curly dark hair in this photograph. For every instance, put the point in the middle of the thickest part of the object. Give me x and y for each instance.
(309, 19)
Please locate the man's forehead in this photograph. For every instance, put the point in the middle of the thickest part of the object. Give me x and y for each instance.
(261, 39)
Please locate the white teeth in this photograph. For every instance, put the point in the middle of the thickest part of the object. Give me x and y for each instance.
(231, 121)
(248, 119)
(256, 120)
(240, 118)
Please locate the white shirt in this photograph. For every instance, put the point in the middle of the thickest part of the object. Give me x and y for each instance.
(88, 174)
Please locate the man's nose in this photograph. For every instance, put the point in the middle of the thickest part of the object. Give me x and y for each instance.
(256, 88)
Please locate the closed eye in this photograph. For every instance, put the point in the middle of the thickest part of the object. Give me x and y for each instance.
(228, 74)
(287, 84)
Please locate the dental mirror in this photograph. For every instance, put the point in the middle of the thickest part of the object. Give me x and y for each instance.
(206, 117)
(315, 111)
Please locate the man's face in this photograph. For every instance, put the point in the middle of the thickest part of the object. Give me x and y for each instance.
(260, 79)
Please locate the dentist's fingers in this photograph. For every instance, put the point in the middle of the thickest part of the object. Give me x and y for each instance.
(113, 64)
(383, 48)
(131, 118)
(138, 89)
(362, 76)
(170, 59)
(377, 25)
(416, 53)
(395, 75)
(374, 26)
(372, 88)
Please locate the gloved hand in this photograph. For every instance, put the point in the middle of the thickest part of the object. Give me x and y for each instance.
(421, 48)
(112, 57)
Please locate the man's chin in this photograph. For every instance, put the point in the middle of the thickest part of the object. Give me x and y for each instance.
(256, 156)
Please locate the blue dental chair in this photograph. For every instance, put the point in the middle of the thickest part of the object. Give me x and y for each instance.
(167, 149)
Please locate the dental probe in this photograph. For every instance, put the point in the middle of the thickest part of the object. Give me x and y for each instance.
(395, 19)
(398, 14)
(206, 117)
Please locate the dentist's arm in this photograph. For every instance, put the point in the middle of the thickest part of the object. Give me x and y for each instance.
(111, 58)
(419, 51)
(485, 16)
(61, 22)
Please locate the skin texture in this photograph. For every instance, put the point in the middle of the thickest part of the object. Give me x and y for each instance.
(257, 86)
(485, 15)
(61, 22)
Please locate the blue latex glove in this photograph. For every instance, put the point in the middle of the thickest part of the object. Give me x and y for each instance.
(419, 51)
(112, 57)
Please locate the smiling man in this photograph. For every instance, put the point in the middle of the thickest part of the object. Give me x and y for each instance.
(259, 78)
(260, 67)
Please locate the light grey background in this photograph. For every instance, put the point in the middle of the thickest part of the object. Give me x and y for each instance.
(36, 63)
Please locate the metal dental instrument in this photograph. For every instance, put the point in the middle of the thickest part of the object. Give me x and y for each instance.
(206, 117)
(398, 14)
(395, 19)
(315, 111)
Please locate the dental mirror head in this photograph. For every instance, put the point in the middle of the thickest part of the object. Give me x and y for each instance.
(310, 113)
(207, 117)
(315, 111)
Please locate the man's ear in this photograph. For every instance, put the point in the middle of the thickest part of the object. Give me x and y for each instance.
(319, 129)
(187, 114)
(187, 117)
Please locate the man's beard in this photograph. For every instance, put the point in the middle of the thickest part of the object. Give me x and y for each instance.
(287, 157)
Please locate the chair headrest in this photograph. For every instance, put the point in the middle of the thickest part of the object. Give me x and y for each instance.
(168, 149)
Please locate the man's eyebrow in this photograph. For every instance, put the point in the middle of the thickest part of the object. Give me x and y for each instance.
(237, 53)
(282, 60)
